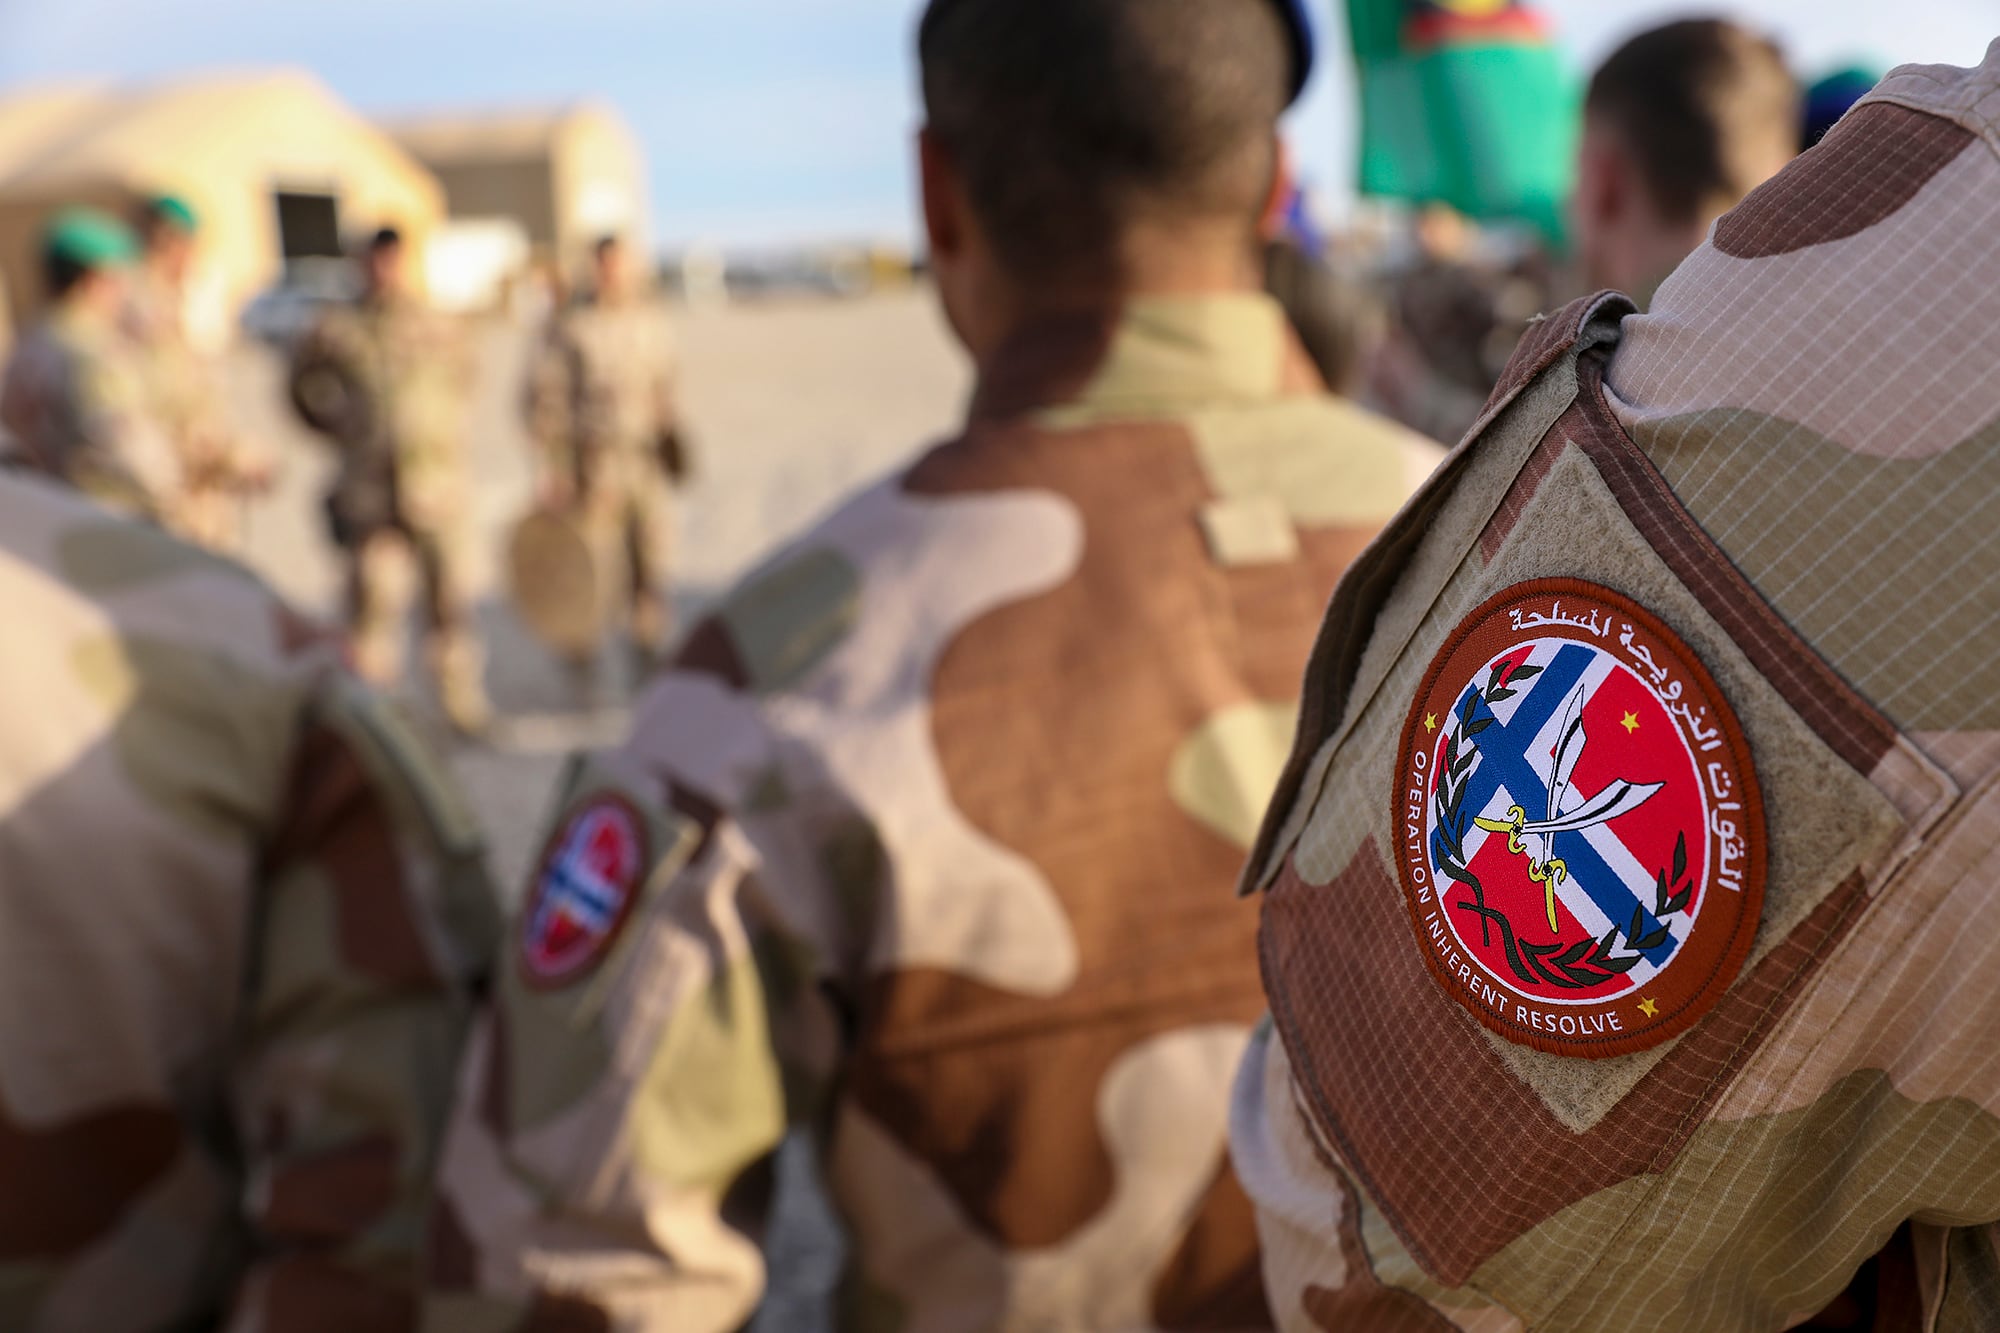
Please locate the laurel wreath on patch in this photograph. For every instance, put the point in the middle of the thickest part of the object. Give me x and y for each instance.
(1579, 966)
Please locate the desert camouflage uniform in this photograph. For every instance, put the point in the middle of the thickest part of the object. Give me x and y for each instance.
(391, 382)
(1792, 461)
(946, 800)
(74, 405)
(600, 403)
(241, 915)
(183, 399)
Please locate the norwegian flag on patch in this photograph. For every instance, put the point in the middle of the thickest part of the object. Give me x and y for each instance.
(584, 889)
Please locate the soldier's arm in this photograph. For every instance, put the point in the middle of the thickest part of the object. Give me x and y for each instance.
(322, 376)
(549, 404)
(1967, 1285)
(666, 374)
(373, 930)
(660, 1022)
(114, 453)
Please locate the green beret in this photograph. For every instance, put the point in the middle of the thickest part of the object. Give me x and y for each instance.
(174, 211)
(88, 238)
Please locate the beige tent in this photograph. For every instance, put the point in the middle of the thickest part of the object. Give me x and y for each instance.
(565, 177)
(276, 166)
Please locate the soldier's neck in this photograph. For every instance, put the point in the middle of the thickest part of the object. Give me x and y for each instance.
(1187, 259)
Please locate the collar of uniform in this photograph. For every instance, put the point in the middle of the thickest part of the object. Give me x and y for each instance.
(1155, 357)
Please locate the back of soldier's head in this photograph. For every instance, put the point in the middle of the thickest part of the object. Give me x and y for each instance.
(1072, 121)
(80, 249)
(1705, 109)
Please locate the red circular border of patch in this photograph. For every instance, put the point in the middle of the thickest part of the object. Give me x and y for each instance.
(540, 977)
(1702, 966)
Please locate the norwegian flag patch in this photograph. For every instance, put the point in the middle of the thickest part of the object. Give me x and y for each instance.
(584, 890)
(1580, 834)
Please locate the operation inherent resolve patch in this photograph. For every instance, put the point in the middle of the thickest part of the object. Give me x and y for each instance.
(1580, 835)
(586, 885)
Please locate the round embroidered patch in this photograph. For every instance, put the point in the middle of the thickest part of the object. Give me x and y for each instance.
(585, 887)
(1580, 834)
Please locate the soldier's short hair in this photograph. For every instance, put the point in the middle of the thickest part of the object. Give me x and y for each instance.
(1072, 119)
(1705, 107)
(60, 273)
(164, 213)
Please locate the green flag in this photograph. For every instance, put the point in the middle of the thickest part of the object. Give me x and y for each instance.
(1465, 102)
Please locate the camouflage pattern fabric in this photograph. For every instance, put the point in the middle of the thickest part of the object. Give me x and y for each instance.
(241, 918)
(390, 383)
(183, 397)
(1790, 461)
(600, 400)
(74, 404)
(924, 846)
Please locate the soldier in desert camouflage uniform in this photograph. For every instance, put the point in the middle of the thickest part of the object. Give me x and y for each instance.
(217, 467)
(924, 843)
(600, 407)
(389, 381)
(74, 402)
(241, 918)
(1749, 537)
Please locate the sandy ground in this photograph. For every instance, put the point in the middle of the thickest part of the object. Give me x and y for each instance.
(790, 405)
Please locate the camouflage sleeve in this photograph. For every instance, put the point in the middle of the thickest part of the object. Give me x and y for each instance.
(1966, 1293)
(658, 1029)
(75, 416)
(324, 378)
(549, 402)
(373, 931)
(120, 456)
(666, 372)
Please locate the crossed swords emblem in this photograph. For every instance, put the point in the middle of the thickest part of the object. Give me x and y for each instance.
(1620, 797)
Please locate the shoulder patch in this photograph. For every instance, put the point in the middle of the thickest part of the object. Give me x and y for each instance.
(584, 890)
(1580, 834)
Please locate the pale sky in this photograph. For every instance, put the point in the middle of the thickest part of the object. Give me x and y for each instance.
(772, 121)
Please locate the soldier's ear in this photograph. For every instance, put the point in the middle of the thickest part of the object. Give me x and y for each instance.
(1272, 220)
(1605, 184)
(943, 192)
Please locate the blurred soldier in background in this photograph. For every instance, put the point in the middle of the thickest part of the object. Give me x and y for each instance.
(1712, 594)
(1828, 98)
(1679, 124)
(1339, 321)
(218, 468)
(390, 383)
(925, 842)
(1336, 320)
(1455, 314)
(600, 406)
(242, 916)
(74, 401)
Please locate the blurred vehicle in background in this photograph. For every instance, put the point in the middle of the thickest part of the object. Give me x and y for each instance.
(281, 315)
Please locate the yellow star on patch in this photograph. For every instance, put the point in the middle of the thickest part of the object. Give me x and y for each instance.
(1649, 1009)
(1430, 721)
(1631, 723)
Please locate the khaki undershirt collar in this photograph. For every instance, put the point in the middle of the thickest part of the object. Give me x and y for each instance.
(1155, 357)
